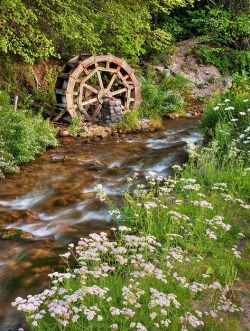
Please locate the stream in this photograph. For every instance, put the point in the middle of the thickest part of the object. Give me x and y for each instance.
(53, 201)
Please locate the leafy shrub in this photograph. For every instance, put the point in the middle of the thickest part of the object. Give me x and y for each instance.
(129, 120)
(22, 135)
(162, 94)
(225, 58)
(186, 23)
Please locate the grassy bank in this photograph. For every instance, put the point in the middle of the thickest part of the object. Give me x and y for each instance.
(22, 136)
(179, 254)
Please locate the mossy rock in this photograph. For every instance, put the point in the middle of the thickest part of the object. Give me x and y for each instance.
(13, 233)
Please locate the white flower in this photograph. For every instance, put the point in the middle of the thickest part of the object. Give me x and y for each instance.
(124, 228)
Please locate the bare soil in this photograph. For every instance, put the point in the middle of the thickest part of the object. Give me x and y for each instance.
(206, 79)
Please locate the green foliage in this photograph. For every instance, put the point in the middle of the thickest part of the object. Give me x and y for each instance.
(20, 32)
(130, 120)
(227, 118)
(225, 58)
(75, 125)
(163, 94)
(22, 135)
(34, 30)
(233, 6)
(186, 23)
(225, 29)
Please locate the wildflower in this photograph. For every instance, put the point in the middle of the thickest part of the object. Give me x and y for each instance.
(192, 149)
(153, 315)
(115, 311)
(149, 205)
(227, 100)
(229, 108)
(114, 326)
(234, 119)
(203, 204)
(124, 228)
(176, 167)
(211, 234)
(236, 253)
(242, 113)
(216, 108)
(240, 234)
(101, 192)
(151, 173)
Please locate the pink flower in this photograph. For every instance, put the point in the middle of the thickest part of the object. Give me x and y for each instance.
(114, 326)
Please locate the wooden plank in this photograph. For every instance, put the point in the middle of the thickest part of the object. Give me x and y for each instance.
(59, 115)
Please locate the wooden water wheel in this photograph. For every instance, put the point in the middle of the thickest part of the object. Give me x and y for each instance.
(85, 81)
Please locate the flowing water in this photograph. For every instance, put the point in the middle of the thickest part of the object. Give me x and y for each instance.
(53, 201)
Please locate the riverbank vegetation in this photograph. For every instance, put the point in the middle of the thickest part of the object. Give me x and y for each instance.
(22, 135)
(178, 257)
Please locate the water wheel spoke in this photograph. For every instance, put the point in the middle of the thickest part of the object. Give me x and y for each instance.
(121, 90)
(128, 99)
(87, 102)
(100, 80)
(97, 111)
(90, 88)
(111, 81)
(85, 79)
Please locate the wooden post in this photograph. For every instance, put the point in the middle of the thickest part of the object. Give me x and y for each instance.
(15, 102)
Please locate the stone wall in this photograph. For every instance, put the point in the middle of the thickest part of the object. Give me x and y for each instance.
(111, 111)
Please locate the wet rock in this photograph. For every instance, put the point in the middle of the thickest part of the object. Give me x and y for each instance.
(43, 269)
(97, 165)
(144, 126)
(19, 268)
(83, 135)
(61, 202)
(173, 115)
(88, 195)
(13, 233)
(41, 254)
(68, 229)
(64, 133)
(23, 215)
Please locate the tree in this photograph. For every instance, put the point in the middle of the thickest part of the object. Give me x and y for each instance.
(34, 30)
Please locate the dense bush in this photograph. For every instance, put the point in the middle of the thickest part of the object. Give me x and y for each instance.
(22, 135)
